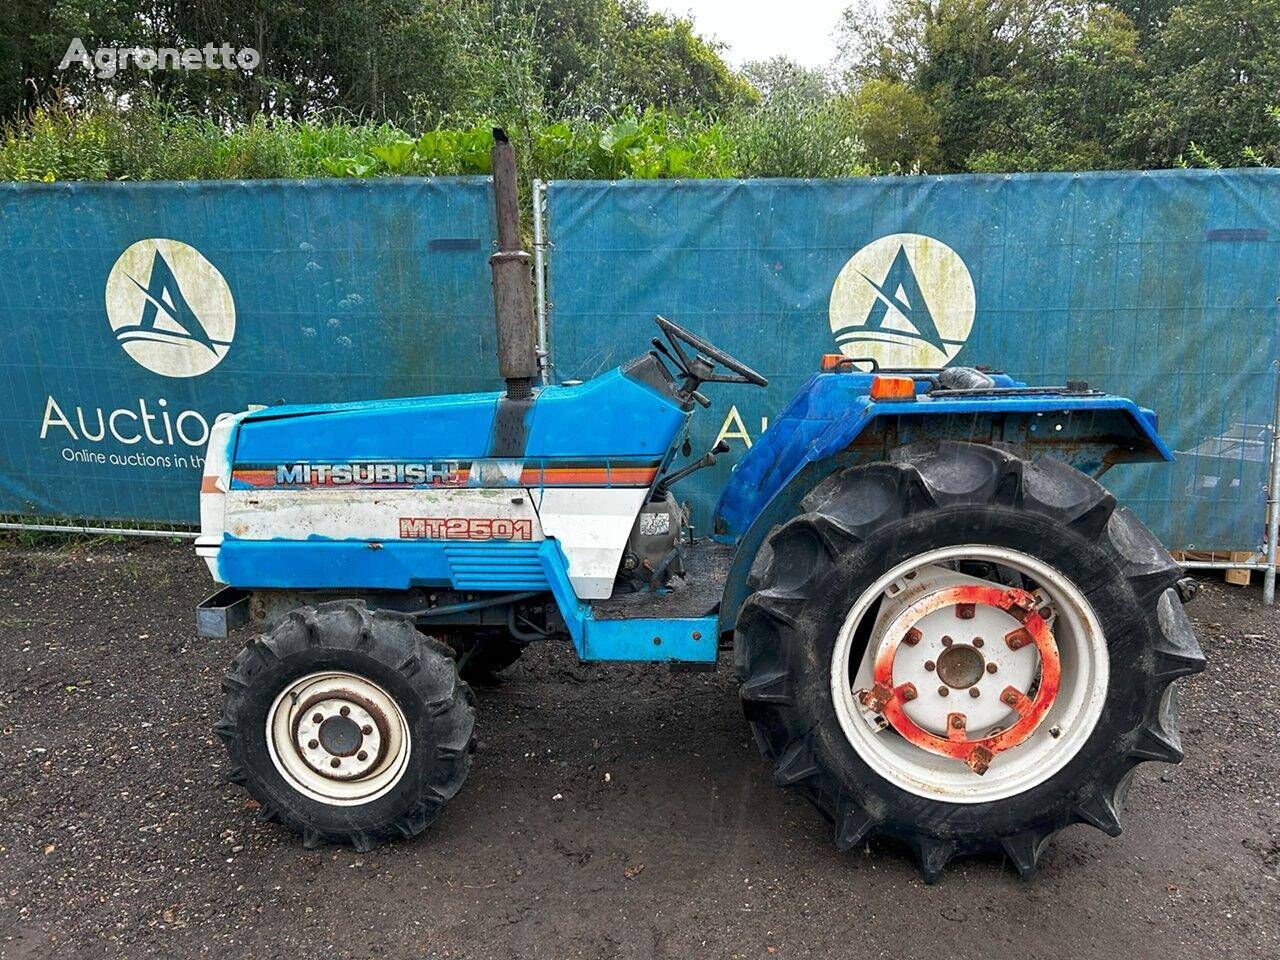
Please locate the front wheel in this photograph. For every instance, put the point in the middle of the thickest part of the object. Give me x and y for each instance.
(347, 725)
(964, 651)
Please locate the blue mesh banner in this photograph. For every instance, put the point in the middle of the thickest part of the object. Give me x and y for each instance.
(1158, 286)
(131, 315)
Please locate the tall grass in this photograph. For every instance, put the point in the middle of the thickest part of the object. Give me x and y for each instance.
(151, 141)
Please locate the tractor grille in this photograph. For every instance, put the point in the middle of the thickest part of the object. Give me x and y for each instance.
(496, 566)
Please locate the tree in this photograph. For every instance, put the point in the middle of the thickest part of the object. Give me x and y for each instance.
(1211, 94)
(802, 127)
(374, 58)
(613, 55)
(782, 79)
(377, 59)
(897, 126)
(34, 39)
(956, 54)
(1065, 108)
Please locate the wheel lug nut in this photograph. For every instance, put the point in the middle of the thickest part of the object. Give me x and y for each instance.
(975, 692)
(317, 718)
(929, 665)
(992, 668)
(1055, 732)
(977, 641)
(366, 729)
(362, 756)
(335, 763)
(947, 641)
(345, 711)
(312, 744)
(943, 691)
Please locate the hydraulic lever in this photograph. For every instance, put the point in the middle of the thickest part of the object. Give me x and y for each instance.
(708, 459)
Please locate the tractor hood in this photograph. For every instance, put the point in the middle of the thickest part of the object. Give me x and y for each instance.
(304, 494)
(614, 415)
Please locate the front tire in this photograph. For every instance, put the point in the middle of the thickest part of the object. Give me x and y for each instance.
(891, 567)
(347, 725)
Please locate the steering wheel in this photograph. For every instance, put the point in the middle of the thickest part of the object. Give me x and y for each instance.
(701, 367)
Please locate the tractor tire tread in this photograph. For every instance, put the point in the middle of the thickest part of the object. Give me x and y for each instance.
(443, 702)
(778, 621)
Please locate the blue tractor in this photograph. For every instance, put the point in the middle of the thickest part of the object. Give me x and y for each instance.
(946, 631)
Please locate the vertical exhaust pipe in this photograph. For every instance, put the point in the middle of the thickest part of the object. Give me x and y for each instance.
(512, 291)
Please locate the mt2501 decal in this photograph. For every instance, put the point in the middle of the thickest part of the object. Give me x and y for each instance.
(465, 528)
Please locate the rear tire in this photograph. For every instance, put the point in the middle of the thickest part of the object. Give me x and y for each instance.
(347, 726)
(817, 570)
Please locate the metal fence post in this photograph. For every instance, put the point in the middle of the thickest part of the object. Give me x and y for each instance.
(1273, 500)
(540, 277)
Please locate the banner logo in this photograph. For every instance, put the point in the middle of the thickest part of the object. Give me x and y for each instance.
(170, 308)
(905, 300)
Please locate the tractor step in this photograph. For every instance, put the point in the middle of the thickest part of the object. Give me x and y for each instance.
(221, 612)
(696, 594)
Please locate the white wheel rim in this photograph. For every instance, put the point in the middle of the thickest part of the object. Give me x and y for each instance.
(1059, 733)
(338, 738)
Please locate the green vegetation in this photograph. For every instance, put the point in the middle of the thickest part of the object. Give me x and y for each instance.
(995, 85)
(155, 142)
(610, 89)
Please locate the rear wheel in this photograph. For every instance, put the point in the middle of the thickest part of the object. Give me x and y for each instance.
(346, 725)
(964, 651)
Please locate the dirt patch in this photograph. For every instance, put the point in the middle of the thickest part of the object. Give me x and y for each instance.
(616, 811)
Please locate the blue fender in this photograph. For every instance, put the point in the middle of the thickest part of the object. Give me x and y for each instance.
(832, 423)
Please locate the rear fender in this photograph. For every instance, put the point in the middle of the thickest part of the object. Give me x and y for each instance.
(1091, 433)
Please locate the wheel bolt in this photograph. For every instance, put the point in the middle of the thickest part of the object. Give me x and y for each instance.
(975, 692)
(1055, 732)
(992, 668)
(366, 729)
(977, 641)
(362, 756)
(335, 763)
(317, 717)
(312, 744)
(929, 665)
(345, 711)
(947, 641)
(943, 692)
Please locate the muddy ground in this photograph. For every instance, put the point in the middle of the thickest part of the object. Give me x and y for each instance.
(118, 836)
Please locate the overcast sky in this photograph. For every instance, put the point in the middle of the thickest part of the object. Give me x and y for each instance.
(803, 30)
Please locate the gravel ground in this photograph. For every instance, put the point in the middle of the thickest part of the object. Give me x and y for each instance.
(616, 812)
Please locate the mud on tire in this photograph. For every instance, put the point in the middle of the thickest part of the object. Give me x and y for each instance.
(417, 672)
(862, 522)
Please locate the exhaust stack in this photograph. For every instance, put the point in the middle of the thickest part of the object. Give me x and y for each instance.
(512, 293)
